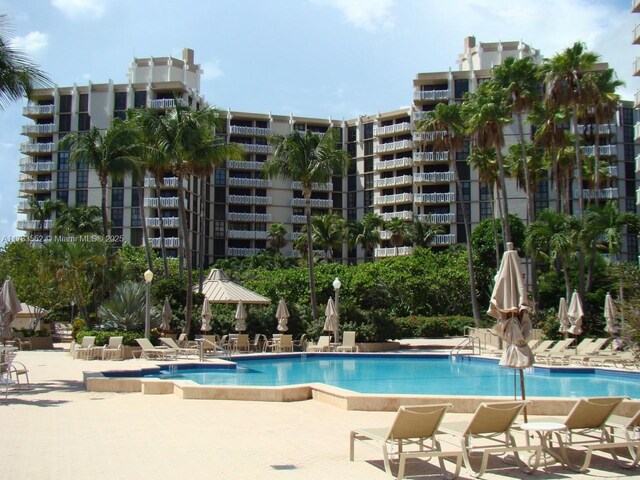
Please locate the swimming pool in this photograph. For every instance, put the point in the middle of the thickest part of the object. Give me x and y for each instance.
(414, 374)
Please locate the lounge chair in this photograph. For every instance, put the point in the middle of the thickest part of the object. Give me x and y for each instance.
(489, 430)
(186, 351)
(259, 343)
(533, 345)
(159, 353)
(626, 359)
(112, 350)
(629, 439)
(348, 343)
(584, 354)
(543, 346)
(301, 343)
(184, 341)
(86, 349)
(585, 429)
(323, 345)
(561, 346)
(413, 425)
(241, 343)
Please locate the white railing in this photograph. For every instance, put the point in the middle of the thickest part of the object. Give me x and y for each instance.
(603, 129)
(249, 200)
(393, 199)
(433, 177)
(393, 181)
(33, 224)
(432, 94)
(25, 206)
(608, 193)
(244, 165)
(35, 166)
(248, 234)
(39, 110)
(428, 136)
(393, 164)
(165, 103)
(249, 182)
(441, 197)
(392, 252)
(298, 219)
(638, 196)
(315, 202)
(437, 218)
(171, 242)
(392, 146)
(636, 34)
(40, 128)
(404, 215)
(314, 186)
(243, 252)
(391, 129)
(239, 130)
(638, 163)
(443, 239)
(421, 157)
(636, 101)
(36, 186)
(171, 222)
(612, 170)
(28, 147)
(604, 150)
(635, 6)
(248, 217)
(256, 147)
(636, 66)
(165, 202)
(171, 182)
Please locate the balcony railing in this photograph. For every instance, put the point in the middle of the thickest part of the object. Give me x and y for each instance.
(165, 103)
(608, 193)
(638, 163)
(392, 146)
(315, 202)
(443, 239)
(249, 217)
(257, 131)
(393, 199)
(165, 202)
(391, 129)
(248, 234)
(638, 196)
(28, 165)
(33, 224)
(36, 186)
(612, 170)
(636, 35)
(244, 165)
(393, 181)
(392, 252)
(636, 99)
(428, 136)
(605, 150)
(169, 222)
(635, 6)
(603, 129)
(426, 157)
(393, 164)
(171, 182)
(441, 197)
(404, 215)
(636, 66)
(298, 219)
(256, 147)
(25, 206)
(437, 218)
(39, 110)
(432, 94)
(170, 242)
(28, 147)
(243, 252)
(40, 128)
(249, 200)
(321, 187)
(433, 177)
(249, 182)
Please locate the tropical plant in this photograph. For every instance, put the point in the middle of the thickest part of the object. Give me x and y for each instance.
(365, 232)
(126, 308)
(328, 232)
(42, 210)
(307, 158)
(399, 230)
(422, 234)
(277, 236)
(78, 221)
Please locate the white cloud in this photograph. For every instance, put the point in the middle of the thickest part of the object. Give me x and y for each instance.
(369, 15)
(31, 43)
(80, 8)
(211, 70)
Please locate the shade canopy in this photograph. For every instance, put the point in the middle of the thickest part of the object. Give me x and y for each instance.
(206, 316)
(610, 314)
(217, 288)
(563, 317)
(9, 307)
(282, 315)
(575, 314)
(167, 316)
(241, 317)
(331, 323)
(29, 316)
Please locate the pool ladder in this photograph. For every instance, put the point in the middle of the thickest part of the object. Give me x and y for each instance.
(461, 348)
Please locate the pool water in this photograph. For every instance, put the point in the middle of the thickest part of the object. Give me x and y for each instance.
(421, 375)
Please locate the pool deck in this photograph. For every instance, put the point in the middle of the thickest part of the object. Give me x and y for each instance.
(58, 430)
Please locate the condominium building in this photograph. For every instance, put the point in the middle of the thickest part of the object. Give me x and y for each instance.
(635, 8)
(395, 172)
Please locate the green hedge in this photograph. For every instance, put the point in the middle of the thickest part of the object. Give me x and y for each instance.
(102, 336)
(431, 327)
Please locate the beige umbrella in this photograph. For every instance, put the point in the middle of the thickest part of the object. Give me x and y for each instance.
(331, 321)
(282, 315)
(167, 316)
(206, 316)
(610, 314)
(241, 316)
(9, 307)
(575, 314)
(563, 318)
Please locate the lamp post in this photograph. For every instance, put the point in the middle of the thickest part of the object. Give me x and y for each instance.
(148, 278)
(336, 286)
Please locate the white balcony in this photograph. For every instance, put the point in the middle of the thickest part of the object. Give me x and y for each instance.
(28, 165)
(638, 163)
(394, 164)
(393, 146)
(33, 224)
(36, 186)
(392, 129)
(636, 35)
(28, 147)
(24, 206)
(46, 128)
(393, 181)
(430, 157)
(434, 177)
(404, 215)
(320, 187)
(249, 217)
(606, 193)
(636, 99)
(636, 131)
(443, 239)
(165, 202)
(169, 242)
(171, 182)
(315, 202)
(636, 67)
(167, 222)
(612, 171)
(393, 199)
(244, 165)
(248, 234)
(428, 136)
(165, 103)
(392, 252)
(437, 218)
(603, 129)
(443, 197)
(298, 219)
(243, 252)
(249, 200)
(256, 131)
(638, 196)
(249, 182)
(432, 94)
(38, 110)
(256, 148)
(605, 150)
(635, 6)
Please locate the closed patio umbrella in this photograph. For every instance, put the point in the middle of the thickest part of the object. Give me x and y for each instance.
(575, 314)
(563, 318)
(331, 321)
(206, 316)
(241, 316)
(167, 316)
(610, 314)
(9, 307)
(282, 315)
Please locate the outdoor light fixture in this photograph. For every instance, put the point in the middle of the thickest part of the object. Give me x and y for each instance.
(148, 278)
(336, 286)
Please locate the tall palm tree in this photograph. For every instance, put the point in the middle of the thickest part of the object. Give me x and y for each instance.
(399, 230)
(328, 232)
(365, 232)
(421, 233)
(448, 118)
(18, 75)
(42, 210)
(75, 221)
(277, 236)
(111, 155)
(307, 158)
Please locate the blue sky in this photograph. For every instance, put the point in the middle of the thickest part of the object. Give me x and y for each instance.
(316, 58)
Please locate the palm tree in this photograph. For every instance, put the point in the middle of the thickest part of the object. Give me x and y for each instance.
(42, 210)
(307, 158)
(422, 234)
(328, 232)
(365, 232)
(448, 118)
(18, 75)
(399, 230)
(77, 221)
(277, 236)
(110, 155)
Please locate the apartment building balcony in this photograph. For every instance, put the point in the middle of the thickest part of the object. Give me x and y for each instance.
(255, 131)
(638, 196)
(396, 199)
(636, 35)
(167, 222)
(33, 225)
(171, 182)
(434, 177)
(320, 187)
(636, 99)
(298, 219)
(437, 218)
(392, 252)
(429, 198)
(315, 202)
(393, 146)
(605, 150)
(42, 186)
(244, 165)
(443, 239)
(432, 95)
(40, 129)
(428, 136)
(612, 171)
(24, 206)
(605, 193)
(249, 217)
(27, 165)
(38, 110)
(635, 6)
(636, 67)
(243, 252)
(256, 148)
(249, 200)
(162, 103)
(404, 215)
(603, 129)
(430, 157)
(394, 164)
(248, 234)
(169, 242)
(28, 147)
(165, 202)
(638, 163)
(636, 131)
(249, 182)
(392, 129)
(393, 181)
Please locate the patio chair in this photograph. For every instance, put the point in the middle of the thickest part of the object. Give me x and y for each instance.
(241, 343)
(413, 426)
(158, 353)
(16, 369)
(583, 354)
(86, 350)
(285, 344)
(113, 349)
(542, 346)
(532, 345)
(301, 343)
(21, 342)
(186, 351)
(348, 343)
(323, 345)
(630, 427)
(184, 341)
(274, 342)
(259, 342)
(586, 430)
(489, 431)
(626, 359)
(560, 347)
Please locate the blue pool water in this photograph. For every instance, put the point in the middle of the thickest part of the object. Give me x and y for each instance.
(422, 375)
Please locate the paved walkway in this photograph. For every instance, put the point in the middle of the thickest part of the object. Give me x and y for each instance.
(59, 431)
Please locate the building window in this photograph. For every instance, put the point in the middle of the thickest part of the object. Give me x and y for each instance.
(140, 99)
(220, 176)
(84, 122)
(218, 229)
(63, 196)
(352, 134)
(466, 191)
(628, 134)
(368, 198)
(120, 101)
(84, 103)
(467, 209)
(64, 122)
(136, 219)
(627, 116)
(117, 215)
(368, 181)
(117, 197)
(65, 103)
(351, 200)
(461, 87)
(63, 180)
(82, 179)
(81, 198)
(368, 130)
(368, 147)
(63, 160)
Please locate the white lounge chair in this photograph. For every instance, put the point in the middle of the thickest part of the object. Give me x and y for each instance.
(158, 353)
(86, 350)
(285, 344)
(113, 349)
(323, 345)
(186, 351)
(348, 343)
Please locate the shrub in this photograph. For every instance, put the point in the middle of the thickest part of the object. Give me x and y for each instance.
(431, 327)
(102, 336)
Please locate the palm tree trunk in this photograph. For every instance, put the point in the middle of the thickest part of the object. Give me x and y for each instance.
(184, 229)
(202, 235)
(143, 219)
(500, 212)
(312, 278)
(596, 167)
(105, 217)
(567, 280)
(505, 208)
(574, 120)
(495, 229)
(163, 248)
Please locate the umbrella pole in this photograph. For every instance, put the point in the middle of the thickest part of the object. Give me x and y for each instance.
(524, 397)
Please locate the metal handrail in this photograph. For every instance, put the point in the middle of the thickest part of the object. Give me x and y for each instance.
(468, 340)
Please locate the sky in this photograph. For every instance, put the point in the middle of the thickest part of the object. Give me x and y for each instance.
(333, 59)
